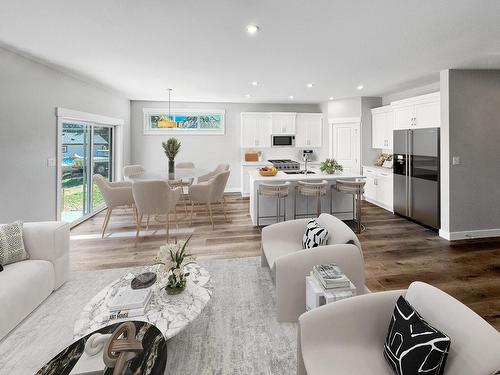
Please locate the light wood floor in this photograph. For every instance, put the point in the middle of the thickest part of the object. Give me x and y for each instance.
(397, 251)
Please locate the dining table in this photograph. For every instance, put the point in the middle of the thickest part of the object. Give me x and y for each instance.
(179, 174)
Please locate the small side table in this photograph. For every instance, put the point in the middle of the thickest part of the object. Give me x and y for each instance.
(317, 296)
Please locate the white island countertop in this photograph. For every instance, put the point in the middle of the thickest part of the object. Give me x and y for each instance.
(318, 175)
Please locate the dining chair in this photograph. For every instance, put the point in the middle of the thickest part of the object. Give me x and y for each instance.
(154, 197)
(209, 192)
(115, 194)
(130, 170)
(184, 183)
(220, 168)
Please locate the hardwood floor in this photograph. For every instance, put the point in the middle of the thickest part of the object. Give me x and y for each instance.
(396, 251)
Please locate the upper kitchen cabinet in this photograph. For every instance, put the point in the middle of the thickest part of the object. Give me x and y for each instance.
(382, 127)
(418, 112)
(256, 129)
(309, 130)
(283, 123)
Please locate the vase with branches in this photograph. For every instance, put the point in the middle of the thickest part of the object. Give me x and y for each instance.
(174, 257)
(171, 148)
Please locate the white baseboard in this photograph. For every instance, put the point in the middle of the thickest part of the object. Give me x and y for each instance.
(469, 234)
(381, 205)
(233, 190)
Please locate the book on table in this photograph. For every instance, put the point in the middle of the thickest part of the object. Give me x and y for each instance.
(331, 276)
(130, 299)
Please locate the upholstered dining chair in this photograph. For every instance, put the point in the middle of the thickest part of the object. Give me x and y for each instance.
(209, 192)
(184, 183)
(220, 168)
(115, 194)
(130, 170)
(154, 197)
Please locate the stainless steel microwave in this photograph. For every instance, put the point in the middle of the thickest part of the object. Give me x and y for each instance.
(283, 140)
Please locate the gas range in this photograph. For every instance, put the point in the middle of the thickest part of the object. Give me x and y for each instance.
(285, 164)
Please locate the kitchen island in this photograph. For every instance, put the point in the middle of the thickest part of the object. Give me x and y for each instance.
(341, 202)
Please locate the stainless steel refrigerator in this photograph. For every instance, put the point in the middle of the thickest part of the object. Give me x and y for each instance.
(416, 175)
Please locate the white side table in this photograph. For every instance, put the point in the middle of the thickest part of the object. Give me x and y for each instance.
(317, 296)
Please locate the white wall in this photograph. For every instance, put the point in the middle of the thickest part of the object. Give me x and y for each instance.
(206, 151)
(29, 94)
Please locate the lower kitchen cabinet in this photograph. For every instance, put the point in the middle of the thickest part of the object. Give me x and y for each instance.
(378, 187)
(245, 177)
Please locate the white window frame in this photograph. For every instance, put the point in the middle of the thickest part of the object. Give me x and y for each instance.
(65, 115)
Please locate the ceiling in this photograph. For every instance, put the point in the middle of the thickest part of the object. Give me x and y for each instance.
(202, 50)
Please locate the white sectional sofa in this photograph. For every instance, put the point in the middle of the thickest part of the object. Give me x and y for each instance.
(290, 264)
(25, 285)
(347, 337)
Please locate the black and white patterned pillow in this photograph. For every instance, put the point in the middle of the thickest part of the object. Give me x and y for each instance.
(11, 243)
(412, 345)
(314, 236)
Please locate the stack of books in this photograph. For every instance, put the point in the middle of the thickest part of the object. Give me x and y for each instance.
(129, 303)
(335, 283)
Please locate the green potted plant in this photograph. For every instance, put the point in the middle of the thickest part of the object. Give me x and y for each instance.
(171, 148)
(174, 258)
(330, 166)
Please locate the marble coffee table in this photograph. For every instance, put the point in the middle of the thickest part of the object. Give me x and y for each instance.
(169, 313)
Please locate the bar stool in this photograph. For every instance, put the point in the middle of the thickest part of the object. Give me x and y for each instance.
(356, 188)
(279, 191)
(309, 189)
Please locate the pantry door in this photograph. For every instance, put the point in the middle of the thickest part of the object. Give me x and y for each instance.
(345, 143)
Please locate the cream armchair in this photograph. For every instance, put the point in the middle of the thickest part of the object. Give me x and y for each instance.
(131, 170)
(290, 264)
(115, 194)
(219, 169)
(209, 192)
(154, 198)
(347, 337)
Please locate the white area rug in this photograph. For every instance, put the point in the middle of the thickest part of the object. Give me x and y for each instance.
(237, 333)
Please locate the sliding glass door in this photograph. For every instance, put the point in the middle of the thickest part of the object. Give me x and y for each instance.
(87, 149)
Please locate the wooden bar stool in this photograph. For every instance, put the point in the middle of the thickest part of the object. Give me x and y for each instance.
(279, 191)
(356, 188)
(309, 189)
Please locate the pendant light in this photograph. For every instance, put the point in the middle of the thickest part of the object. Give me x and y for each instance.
(168, 123)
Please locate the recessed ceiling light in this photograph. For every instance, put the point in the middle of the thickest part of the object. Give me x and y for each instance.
(330, 98)
(309, 85)
(255, 83)
(290, 97)
(359, 87)
(252, 29)
(248, 95)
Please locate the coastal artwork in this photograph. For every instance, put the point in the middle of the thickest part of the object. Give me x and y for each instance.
(192, 121)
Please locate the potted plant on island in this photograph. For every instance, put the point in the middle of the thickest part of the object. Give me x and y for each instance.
(171, 148)
(174, 258)
(330, 166)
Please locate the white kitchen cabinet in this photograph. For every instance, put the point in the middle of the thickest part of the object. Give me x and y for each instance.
(418, 112)
(379, 187)
(256, 130)
(382, 127)
(309, 130)
(283, 123)
(245, 177)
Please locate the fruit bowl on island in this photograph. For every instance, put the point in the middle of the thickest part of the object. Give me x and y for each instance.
(268, 171)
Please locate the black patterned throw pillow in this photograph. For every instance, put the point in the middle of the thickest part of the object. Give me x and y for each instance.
(11, 243)
(1, 268)
(314, 236)
(412, 345)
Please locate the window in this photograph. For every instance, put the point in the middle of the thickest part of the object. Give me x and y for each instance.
(64, 149)
(187, 121)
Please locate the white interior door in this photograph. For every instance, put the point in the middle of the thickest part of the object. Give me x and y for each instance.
(345, 143)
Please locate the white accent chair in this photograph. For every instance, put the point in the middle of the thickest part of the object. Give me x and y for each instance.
(209, 192)
(219, 169)
(25, 285)
(131, 170)
(347, 337)
(290, 264)
(115, 194)
(184, 183)
(154, 198)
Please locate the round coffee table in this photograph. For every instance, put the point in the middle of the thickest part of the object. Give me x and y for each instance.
(169, 313)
